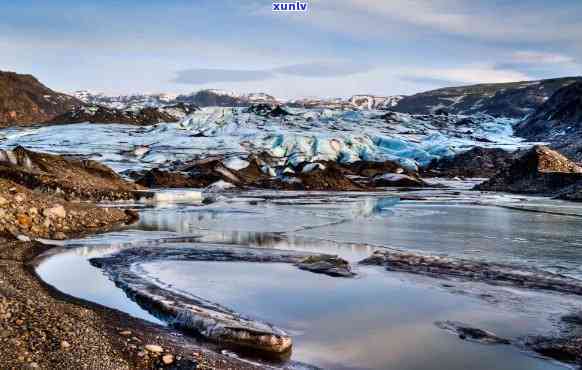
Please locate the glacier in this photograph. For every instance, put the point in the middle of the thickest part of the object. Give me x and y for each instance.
(299, 135)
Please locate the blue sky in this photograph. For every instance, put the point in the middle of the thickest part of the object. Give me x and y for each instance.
(338, 48)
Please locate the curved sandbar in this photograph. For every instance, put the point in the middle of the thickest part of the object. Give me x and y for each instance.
(211, 320)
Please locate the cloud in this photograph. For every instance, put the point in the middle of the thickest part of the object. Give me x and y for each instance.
(534, 57)
(463, 75)
(329, 69)
(521, 21)
(199, 76)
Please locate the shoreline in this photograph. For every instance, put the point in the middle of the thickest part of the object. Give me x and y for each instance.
(42, 327)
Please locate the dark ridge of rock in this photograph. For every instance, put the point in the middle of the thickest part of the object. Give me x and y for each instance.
(156, 178)
(539, 171)
(566, 349)
(26, 101)
(267, 110)
(492, 273)
(179, 110)
(562, 111)
(266, 172)
(33, 214)
(331, 177)
(467, 332)
(574, 318)
(572, 193)
(100, 114)
(514, 99)
(373, 169)
(476, 162)
(328, 265)
(217, 98)
(558, 121)
(70, 178)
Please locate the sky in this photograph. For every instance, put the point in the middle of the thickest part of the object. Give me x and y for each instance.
(337, 48)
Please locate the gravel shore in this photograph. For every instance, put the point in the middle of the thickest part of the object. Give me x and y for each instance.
(42, 328)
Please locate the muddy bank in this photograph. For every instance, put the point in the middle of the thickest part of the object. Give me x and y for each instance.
(211, 320)
(491, 273)
(73, 179)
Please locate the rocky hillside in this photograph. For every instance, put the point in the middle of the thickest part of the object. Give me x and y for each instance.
(142, 116)
(477, 162)
(24, 100)
(558, 121)
(538, 171)
(219, 98)
(514, 99)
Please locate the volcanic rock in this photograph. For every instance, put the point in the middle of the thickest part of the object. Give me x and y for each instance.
(476, 162)
(538, 171)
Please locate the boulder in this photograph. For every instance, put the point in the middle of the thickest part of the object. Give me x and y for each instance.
(539, 171)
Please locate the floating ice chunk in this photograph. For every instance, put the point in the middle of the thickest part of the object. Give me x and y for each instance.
(268, 170)
(174, 196)
(236, 163)
(218, 186)
(288, 171)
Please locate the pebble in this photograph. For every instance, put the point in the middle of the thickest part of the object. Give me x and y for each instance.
(65, 344)
(125, 333)
(154, 348)
(58, 211)
(168, 359)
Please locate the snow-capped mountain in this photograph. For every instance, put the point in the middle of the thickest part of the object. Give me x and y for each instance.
(512, 99)
(131, 102)
(224, 98)
(515, 99)
(375, 102)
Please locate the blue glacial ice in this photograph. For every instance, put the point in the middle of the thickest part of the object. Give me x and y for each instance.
(306, 135)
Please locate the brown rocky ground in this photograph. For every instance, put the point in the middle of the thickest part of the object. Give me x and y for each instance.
(261, 171)
(538, 171)
(477, 162)
(42, 328)
(71, 178)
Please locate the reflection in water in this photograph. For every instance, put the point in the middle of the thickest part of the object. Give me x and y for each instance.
(379, 320)
(346, 323)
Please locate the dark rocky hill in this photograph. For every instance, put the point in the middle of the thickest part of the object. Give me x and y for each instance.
(514, 99)
(538, 171)
(477, 162)
(143, 116)
(558, 122)
(24, 100)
